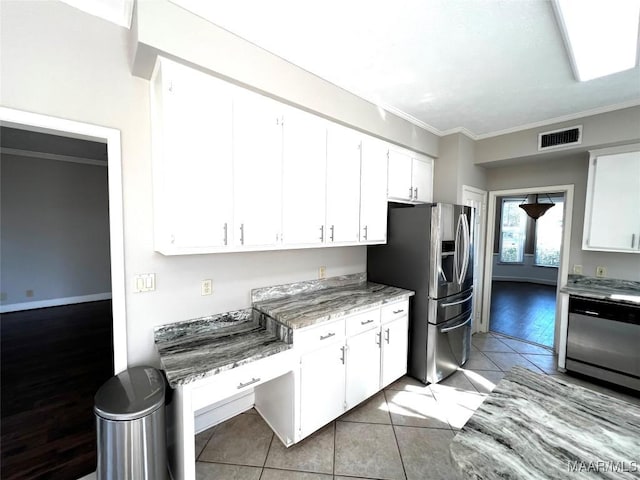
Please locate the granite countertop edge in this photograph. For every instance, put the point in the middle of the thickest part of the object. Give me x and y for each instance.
(622, 291)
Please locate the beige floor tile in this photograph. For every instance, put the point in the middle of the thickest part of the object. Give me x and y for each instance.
(459, 406)
(367, 450)
(374, 410)
(488, 343)
(201, 440)
(453, 383)
(313, 454)
(546, 363)
(414, 409)
(410, 384)
(242, 440)
(272, 474)
(216, 471)
(484, 381)
(425, 453)
(479, 361)
(506, 361)
(524, 347)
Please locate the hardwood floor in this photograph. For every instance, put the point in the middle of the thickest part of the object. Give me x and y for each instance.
(53, 362)
(524, 310)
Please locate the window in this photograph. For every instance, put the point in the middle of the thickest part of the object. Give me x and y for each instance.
(549, 236)
(512, 231)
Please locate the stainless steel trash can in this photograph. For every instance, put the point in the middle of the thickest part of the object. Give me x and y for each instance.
(130, 417)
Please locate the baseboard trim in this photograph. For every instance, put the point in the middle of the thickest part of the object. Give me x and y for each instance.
(540, 281)
(54, 302)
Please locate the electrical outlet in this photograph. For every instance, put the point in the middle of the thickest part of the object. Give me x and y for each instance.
(144, 282)
(206, 287)
(3, 296)
(601, 272)
(29, 293)
(577, 269)
(322, 272)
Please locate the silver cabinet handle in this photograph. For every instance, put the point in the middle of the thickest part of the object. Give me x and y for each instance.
(458, 302)
(387, 335)
(633, 240)
(332, 228)
(366, 231)
(225, 230)
(398, 311)
(322, 233)
(343, 349)
(246, 384)
(328, 335)
(410, 193)
(242, 234)
(366, 322)
(415, 194)
(379, 339)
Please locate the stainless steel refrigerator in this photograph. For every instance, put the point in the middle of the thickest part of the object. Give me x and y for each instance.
(430, 250)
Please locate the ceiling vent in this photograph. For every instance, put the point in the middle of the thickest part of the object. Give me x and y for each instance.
(560, 138)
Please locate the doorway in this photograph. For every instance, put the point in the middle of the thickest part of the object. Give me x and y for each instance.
(74, 318)
(511, 301)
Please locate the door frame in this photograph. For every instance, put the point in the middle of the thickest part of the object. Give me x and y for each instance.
(68, 128)
(563, 269)
(479, 273)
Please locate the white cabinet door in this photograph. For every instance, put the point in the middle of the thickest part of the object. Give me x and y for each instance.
(195, 155)
(373, 191)
(422, 179)
(394, 350)
(304, 183)
(399, 185)
(343, 185)
(363, 366)
(613, 199)
(257, 157)
(322, 383)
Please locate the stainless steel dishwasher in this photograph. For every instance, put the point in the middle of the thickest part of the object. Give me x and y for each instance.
(603, 340)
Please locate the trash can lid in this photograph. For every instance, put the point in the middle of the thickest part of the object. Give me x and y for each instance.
(132, 394)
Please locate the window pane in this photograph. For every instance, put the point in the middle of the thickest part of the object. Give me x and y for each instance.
(513, 232)
(549, 236)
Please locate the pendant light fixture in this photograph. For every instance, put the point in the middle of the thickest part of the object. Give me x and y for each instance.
(536, 209)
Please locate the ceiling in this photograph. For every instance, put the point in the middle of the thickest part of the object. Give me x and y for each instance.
(484, 67)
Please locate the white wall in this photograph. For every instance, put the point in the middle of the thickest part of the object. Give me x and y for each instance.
(54, 228)
(570, 169)
(61, 62)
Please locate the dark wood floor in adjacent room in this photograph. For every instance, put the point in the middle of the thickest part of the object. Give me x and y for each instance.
(524, 310)
(53, 362)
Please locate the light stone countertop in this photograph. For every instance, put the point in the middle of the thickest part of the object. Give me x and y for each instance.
(304, 304)
(537, 427)
(623, 291)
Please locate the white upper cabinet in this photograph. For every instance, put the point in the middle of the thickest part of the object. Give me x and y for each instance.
(612, 216)
(410, 176)
(192, 159)
(343, 185)
(257, 175)
(303, 183)
(373, 191)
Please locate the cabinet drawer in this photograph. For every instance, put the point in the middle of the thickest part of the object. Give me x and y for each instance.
(394, 310)
(361, 322)
(318, 336)
(240, 379)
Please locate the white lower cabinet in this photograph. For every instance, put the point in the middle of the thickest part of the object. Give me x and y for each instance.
(363, 367)
(322, 387)
(338, 376)
(394, 340)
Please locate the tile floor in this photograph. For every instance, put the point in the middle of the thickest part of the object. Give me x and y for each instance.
(402, 432)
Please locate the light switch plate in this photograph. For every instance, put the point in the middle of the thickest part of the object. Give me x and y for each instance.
(577, 269)
(144, 282)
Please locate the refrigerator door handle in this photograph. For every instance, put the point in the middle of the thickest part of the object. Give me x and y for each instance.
(456, 255)
(457, 302)
(455, 327)
(467, 247)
